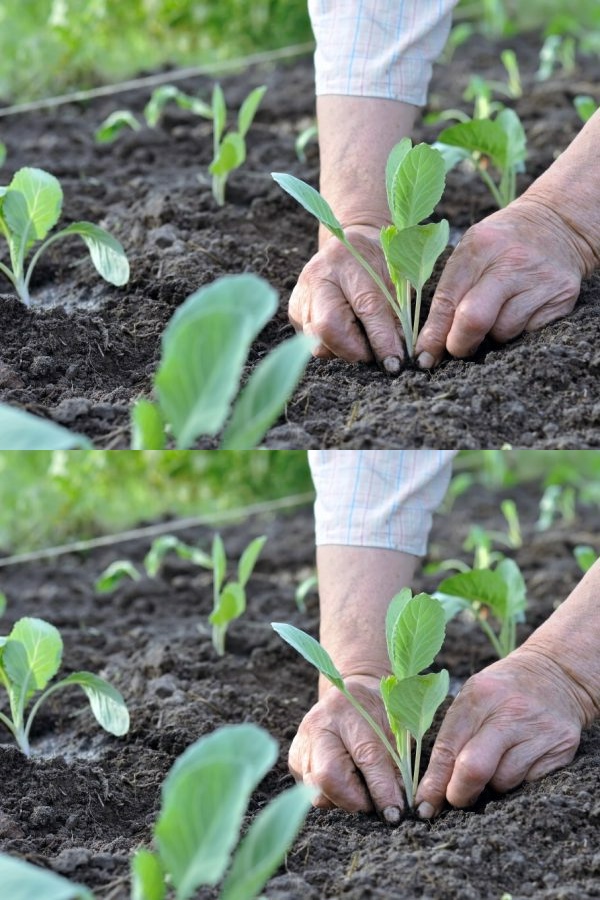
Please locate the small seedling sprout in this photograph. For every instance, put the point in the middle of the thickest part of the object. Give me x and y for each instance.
(415, 181)
(586, 556)
(415, 628)
(30, 207)
(30, 657)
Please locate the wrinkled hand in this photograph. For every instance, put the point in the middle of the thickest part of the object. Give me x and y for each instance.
(515, 721)
(515, 271)
(336, 751)
(336, 301)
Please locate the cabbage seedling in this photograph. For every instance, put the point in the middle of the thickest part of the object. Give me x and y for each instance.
(29, 208)
(586, 106)
(415, 181)
(30, 657)
(415, 628)
(197, 836)
(498, 592)
(586, 556)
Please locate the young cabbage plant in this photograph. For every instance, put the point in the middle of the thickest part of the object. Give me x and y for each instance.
(498, 593)
(30, 657)
(30, 207)
(415, 628)
(586, 556)
(204, 352)
(481, 542)
(415, 179)
(586, 106)
(204, 804)
(499, 143)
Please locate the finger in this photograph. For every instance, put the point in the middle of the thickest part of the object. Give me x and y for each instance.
(382, 328)
(381, 778)
(477, 313)
(477, 763)
(334, 323)
(553, 311)
(535, 308)
(336, 776)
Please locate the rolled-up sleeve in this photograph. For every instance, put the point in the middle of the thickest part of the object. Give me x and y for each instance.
(378, 498)
(378, 48)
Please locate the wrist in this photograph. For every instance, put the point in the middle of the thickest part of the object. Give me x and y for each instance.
(368, 224)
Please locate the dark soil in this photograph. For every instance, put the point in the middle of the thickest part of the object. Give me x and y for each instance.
(85, 799)
(82, 363)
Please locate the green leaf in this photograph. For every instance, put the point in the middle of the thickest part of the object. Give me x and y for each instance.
(162, 95)
(394, 160)
(168, 542)
(417, 186)
(219, 112)
(106, 702)
(231, 155)
(106, 252)
(311, 650)
(248, 559)
(585, 105)
(41, 192)
(219, 561)
(264, 396)
(451, 605)
(114, 124)
(114, 574)
(147, 426)
(516, 590)
(516, 148)
(231, 604)
(414, 251)
(248, 109)
(586, 556)
(32, 654)
(452, 156)
(205, 346)
(395, 608)
(147, 877)
(2, 154)
(2, 603)
(417, 636)
(480, 587)
(20, 430)
(265, 844)
(205, 796)
(479, 136)
(22, 881)
(411, 703)
(311, 200)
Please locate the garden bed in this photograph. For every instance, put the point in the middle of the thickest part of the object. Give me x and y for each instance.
(85, 799)
(81, 363)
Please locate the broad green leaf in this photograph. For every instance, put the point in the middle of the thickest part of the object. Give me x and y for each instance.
(516, 590)
(231, 155)
(311, 650)
(114, 574)
(452, 156)
(106, 702)
(311, 200)
(516, 151)
(20, 430)
(417, 186)
(397, 604)
(231, 604)
(479, 586)
(40, 212)
(451, 605)
(248, 559)
(114, 124)
(585, 105)
(417, 636)
(264, 396)
(411, 703)
(205, 796)
(248, 109)
(205, 346)
(264, 846)
(586, 556)
(106, 252)
(413, 251)
(147, 426)
(219, 112)
(22, 881)
(219, 561)
(32, 654)
(147, 877)
(394, 160)
(479, 136)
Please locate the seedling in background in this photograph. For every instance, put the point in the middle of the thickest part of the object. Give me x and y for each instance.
(2, 153)
(29, 208)
(586, 556)
(586, 106)
(304, 589)
(205, 800)
(415, 181)
(29, 658)
(204, 351)
(415, 628)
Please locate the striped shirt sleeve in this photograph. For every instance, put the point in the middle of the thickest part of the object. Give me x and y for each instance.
(378, 498)
(378, 48)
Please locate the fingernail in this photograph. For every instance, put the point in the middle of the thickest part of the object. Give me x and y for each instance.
(426, 360)
(391, 364)
(392, 815)
(425, 811)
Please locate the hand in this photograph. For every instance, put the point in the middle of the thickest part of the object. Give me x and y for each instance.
(515, 721)
(336, 301)
(515, 271)
(337, 752)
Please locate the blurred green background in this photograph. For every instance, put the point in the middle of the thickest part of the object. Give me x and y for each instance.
(50, 497)
(47, 46)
